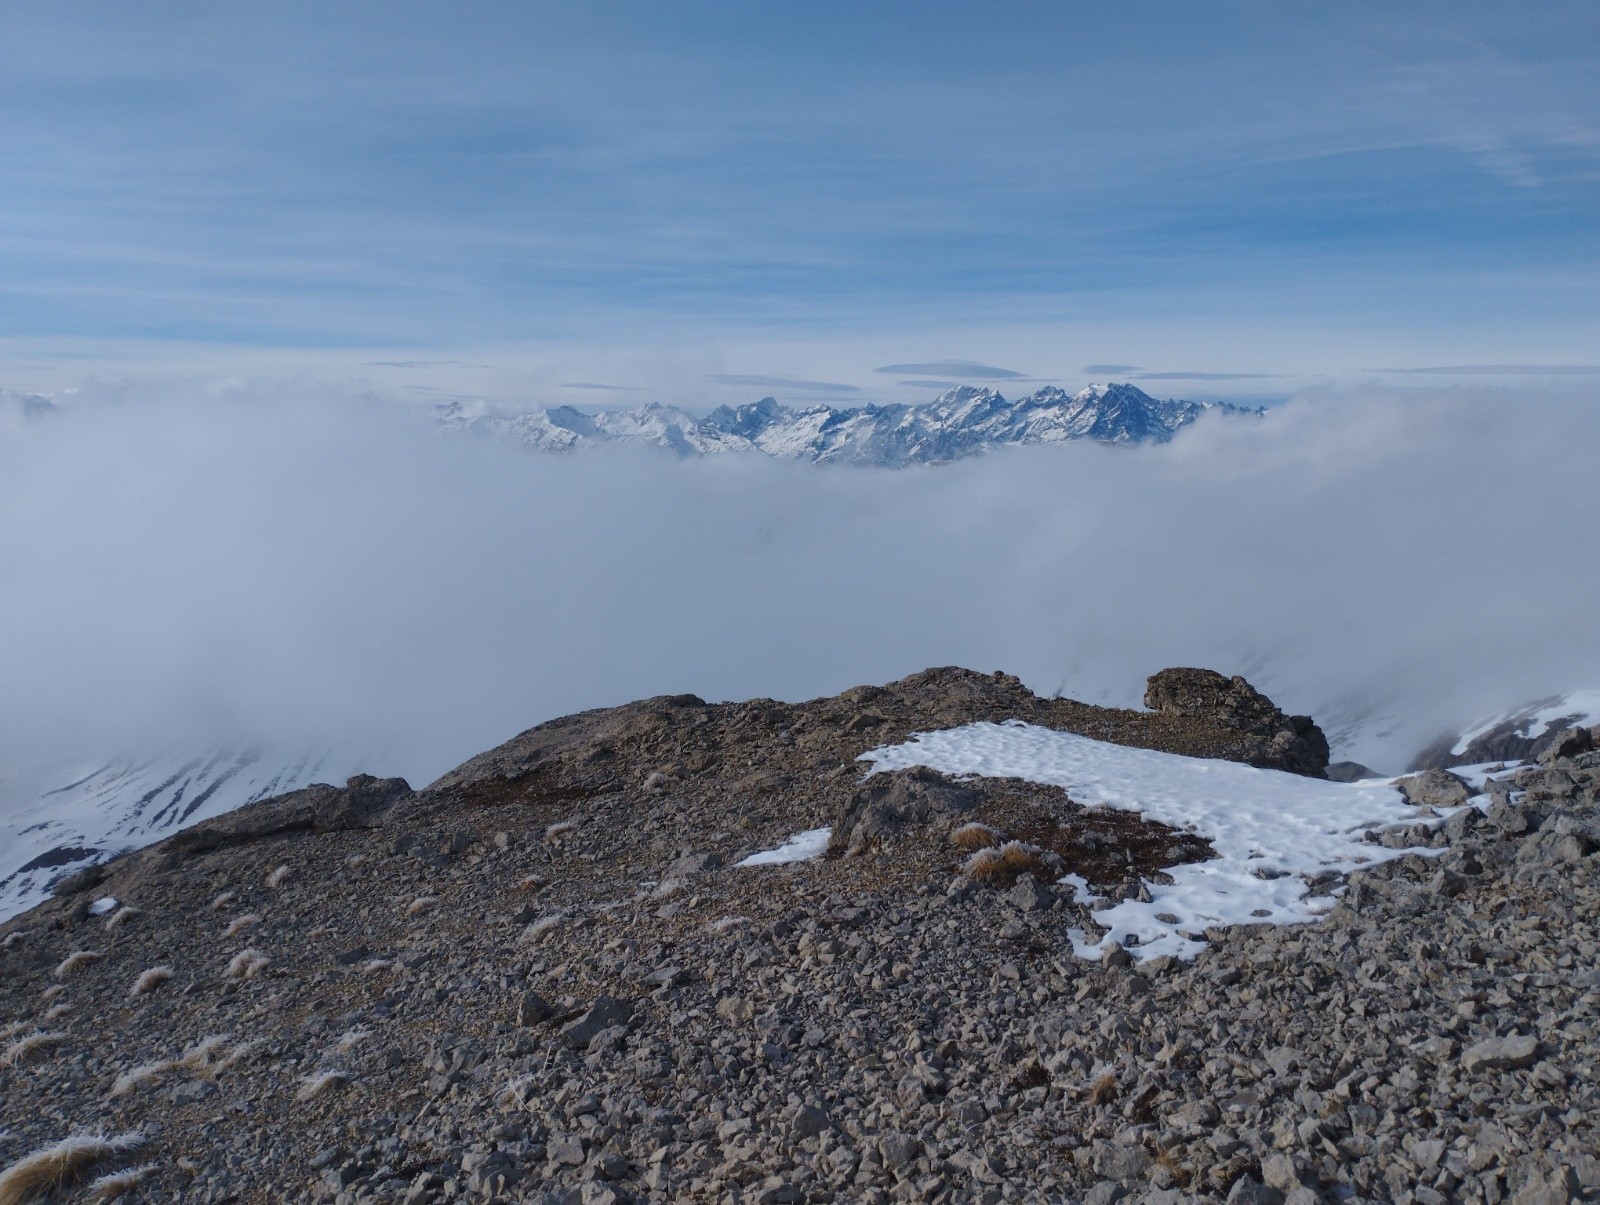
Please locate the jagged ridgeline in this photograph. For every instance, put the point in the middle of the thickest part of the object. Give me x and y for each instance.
(963, 421)
(680, 951)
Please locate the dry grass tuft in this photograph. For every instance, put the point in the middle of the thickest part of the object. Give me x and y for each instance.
(30, 1047)
(973, 837)
(198, 1058)
(148, 981)
(56, 1010)
(314, 1086)
(280, 876)
(537, 930)
(724, 923)
(240, 923)
(559, 829)
(131, 1080)
(122, 916)
(223, 900)
(54, 990)
(420, 905)
(11, 1029)
(531, 882)
(376, 966)
(13, 939)
(355, 861)
(351, 1038)
(61, 1165)
(78, 958)
(1010, 861)
(1104, 1090)
(245, 964)
(238, 1054)
(985, 866)
(114, 1184)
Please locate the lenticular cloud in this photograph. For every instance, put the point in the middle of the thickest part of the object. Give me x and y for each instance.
(334, 575)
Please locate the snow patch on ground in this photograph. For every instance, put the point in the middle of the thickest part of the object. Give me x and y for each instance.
(802, 847)
(1273, 831)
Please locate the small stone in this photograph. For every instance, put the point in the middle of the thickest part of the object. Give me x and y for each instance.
(1501, 1054)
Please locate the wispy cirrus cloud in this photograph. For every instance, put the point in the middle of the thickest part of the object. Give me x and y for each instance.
(1204, 376)
(1112, 369)
(1499, 370)
(601, 387)
(796, 386)
(964, 370)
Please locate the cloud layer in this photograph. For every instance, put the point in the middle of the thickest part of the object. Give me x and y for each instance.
(328, 571)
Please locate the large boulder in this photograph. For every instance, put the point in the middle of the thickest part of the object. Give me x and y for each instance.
(1287, 742)
(893, 802)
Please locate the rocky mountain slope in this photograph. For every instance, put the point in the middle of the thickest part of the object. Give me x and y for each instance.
(964, 421)
(64, 817)
(548, 978)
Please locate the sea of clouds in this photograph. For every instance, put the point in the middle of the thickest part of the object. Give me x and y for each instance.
(294, 566)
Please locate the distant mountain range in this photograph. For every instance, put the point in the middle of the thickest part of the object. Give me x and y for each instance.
(961, 422)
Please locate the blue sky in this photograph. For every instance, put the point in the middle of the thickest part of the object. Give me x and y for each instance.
(532, 200)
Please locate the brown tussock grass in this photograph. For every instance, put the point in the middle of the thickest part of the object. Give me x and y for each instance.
(1104, 1090)
(121, 917)
(62, 1165)
(973, 837)
(245, 964)
(314, 1086)
(78, 958)
(148, 981)
(31, 1047)
(114, 1184)
(240, 923)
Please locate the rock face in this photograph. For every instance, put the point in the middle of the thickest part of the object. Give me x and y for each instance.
(1284, 742)
(482, 991)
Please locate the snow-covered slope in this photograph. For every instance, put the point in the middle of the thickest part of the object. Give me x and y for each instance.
(1276, 834)
(57, 819)
(1516, 735)
(961, 422)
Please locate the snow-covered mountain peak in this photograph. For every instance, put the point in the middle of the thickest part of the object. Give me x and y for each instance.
(963, 421)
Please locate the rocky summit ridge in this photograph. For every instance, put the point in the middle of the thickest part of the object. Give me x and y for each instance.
(545, 978)
(963, 421)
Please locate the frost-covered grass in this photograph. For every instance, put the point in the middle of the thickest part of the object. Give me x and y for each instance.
(351, 1038)
(240, 923)
(279, 876)
(314, 1086)
(76, 961)
(56, 1011)
(223, 900)
(246, 964)
(143, 1075)
(122, 916)
(973, 837)
(62, 1165)
(538, 929)
(149, 980)
(31, 1046)
(1272, 831)
(114, 1184)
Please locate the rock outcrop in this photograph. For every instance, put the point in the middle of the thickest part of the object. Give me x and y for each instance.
(1278, 741)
